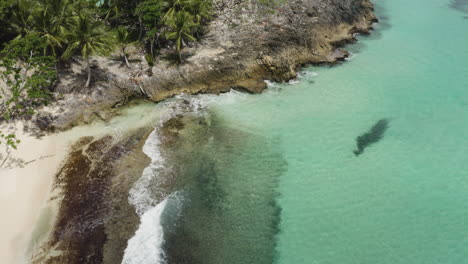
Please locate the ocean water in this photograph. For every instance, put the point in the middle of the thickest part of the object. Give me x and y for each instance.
(275, 179)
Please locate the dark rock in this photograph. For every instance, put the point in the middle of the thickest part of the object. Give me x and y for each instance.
(374, 135)
(269, 43)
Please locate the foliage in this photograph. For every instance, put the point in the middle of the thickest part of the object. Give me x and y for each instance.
(27, 75)
(9, 140)
(150, 13)
(123, 39)
(202, 10)
(90, 37)
(180, 28)
(35, 34)
(6, 33)
(149, 59)
(178, 21)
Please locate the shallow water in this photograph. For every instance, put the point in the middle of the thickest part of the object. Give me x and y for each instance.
(285, 176)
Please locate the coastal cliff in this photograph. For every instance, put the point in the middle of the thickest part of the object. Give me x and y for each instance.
(244, 45)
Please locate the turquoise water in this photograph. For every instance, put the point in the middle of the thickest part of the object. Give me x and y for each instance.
(272, 178)
(405, 199)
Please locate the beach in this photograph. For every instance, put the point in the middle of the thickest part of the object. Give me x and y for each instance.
(24, 191)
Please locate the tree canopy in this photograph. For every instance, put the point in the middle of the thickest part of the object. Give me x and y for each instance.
(36, 34)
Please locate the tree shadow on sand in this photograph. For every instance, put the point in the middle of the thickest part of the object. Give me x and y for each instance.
(9, 156)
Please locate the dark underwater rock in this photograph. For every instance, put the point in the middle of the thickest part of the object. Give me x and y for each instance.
(374, 135)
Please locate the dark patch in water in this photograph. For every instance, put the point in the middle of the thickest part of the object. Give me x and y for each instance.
(226, 180)
(208, 189)
(461, 5)
(374, 135)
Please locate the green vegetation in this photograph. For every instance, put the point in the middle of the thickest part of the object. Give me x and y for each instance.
(181, 26)
(123, 39)
(36, 35)
(89, 37)
(28, 76)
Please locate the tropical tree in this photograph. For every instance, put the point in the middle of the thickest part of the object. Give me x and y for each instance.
(27, 75)
(173, 7)
(150, 13)
(90, 37)
(61, 13)
(123, 39)
(6, 33)
(200, 9)
(180, 28)
(48, 31)
(22, 16)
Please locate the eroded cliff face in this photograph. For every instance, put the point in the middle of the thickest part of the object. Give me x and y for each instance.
(244, 46)
(241, 53)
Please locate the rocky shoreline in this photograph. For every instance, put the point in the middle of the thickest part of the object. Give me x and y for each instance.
(93, 215)
(95, 219)
(241, 49)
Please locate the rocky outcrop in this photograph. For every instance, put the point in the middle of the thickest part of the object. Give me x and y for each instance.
(244, 46)
(94, 219)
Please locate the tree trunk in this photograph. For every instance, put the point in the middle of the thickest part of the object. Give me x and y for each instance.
(88, 82)
(152, 47)
(125, 57)
(180, 56)
(141, 28)
(157, 41)
(56, 71)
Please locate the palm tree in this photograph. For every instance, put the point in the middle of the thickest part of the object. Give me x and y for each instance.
(123, 39)
(200, 9)
(180, 28)
(149, 15)
(89, 37)
(174, 7)
(22, 16)
(61, 12)
(48, 30)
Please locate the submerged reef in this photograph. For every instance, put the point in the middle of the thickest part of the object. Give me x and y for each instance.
(374, 135)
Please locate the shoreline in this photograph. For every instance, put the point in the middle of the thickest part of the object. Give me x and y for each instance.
(79, 109)
(24, 192)
(239, 58)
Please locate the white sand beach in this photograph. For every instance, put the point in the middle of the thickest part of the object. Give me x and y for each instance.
(24, 190)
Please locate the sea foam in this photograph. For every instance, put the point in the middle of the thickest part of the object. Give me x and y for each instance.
(145, 247)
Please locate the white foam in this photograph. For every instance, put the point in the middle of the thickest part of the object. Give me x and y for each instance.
(293, 81)
(140, 195)
(305, 74)
(201, 102)
(145, 247)
(351, 57)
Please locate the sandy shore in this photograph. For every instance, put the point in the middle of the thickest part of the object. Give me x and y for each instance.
(24, 190)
